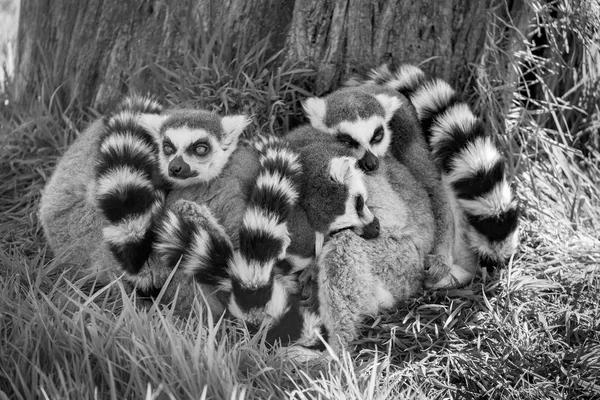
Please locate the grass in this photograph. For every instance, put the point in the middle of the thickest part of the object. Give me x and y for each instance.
(532, 331)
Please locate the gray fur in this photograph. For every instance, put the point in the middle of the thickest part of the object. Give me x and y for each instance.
(194, 119)
(354, 272)
(340, 102)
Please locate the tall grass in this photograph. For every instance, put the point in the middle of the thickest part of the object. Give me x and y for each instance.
(532, 331)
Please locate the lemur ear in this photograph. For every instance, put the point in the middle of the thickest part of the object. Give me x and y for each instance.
(315, 109)
(389, 103)
(153, 123)
(233, 126)
(341, 169)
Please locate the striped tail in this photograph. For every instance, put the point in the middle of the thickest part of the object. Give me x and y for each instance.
(189, 234)
(470, 162)
(127, 192)
(256, 294)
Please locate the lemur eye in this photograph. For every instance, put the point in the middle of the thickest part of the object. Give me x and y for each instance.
(201, 149)
(168, 149)
(347, 140)
(360, 203)
(377, 135)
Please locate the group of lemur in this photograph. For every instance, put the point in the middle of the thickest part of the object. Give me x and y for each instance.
(393, 186)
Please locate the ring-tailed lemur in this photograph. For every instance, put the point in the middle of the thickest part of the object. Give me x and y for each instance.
(142, 153)
(373, 120)
(471, 164)
(127, 183)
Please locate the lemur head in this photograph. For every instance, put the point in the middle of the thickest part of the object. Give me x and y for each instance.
(334, 196)
(357, 118)
(193, 145)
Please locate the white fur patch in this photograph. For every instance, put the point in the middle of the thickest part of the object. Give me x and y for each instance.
(379, 73)
(284, 156)
(257, 220)
(362, 130)
(383, 298)
(199, 250)
(344, 170)
(166, 233)
(457, 276)
(389, 103)
(478, 155)
(128, 231)
(251, 273)
(152, 123)
(123, 118)
(298, 263)
(233, 126)
(319, 243)
(278, 304)
(184, 136)
(126, 143)
(315, 109)
(310, 328)
(458, 116)
(495, 202)
(406, 77)
(431, 95)
(277, 183)
(118, 177)
(138, 100)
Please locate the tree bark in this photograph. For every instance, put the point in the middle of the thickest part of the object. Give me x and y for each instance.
(90, 49)
(343, 37)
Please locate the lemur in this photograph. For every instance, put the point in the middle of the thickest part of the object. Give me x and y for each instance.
(142, 154)
(471, 165)
(102, 205)
(372, 121)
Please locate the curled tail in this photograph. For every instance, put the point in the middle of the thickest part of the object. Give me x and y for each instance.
(470, 162)
(127, 190)
(189, 234)
(256, 293)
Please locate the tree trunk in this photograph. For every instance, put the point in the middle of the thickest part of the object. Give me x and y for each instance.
(89, 49)
(343, 37)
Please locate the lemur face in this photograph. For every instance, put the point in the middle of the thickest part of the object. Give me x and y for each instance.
(194, 145)
(334, 196)
(357, 119)
(357, 215)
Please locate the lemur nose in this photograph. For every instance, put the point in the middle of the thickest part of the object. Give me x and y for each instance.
(175, 169)
(371, 231)
(369, 162)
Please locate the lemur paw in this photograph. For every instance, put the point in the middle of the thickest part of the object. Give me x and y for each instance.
(455, 276)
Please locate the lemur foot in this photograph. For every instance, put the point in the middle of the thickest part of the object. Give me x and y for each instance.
(454, 276)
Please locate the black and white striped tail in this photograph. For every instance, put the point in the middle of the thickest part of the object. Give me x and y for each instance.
(189, 235)
(256, 294)
(471, 164)
(127, 192)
